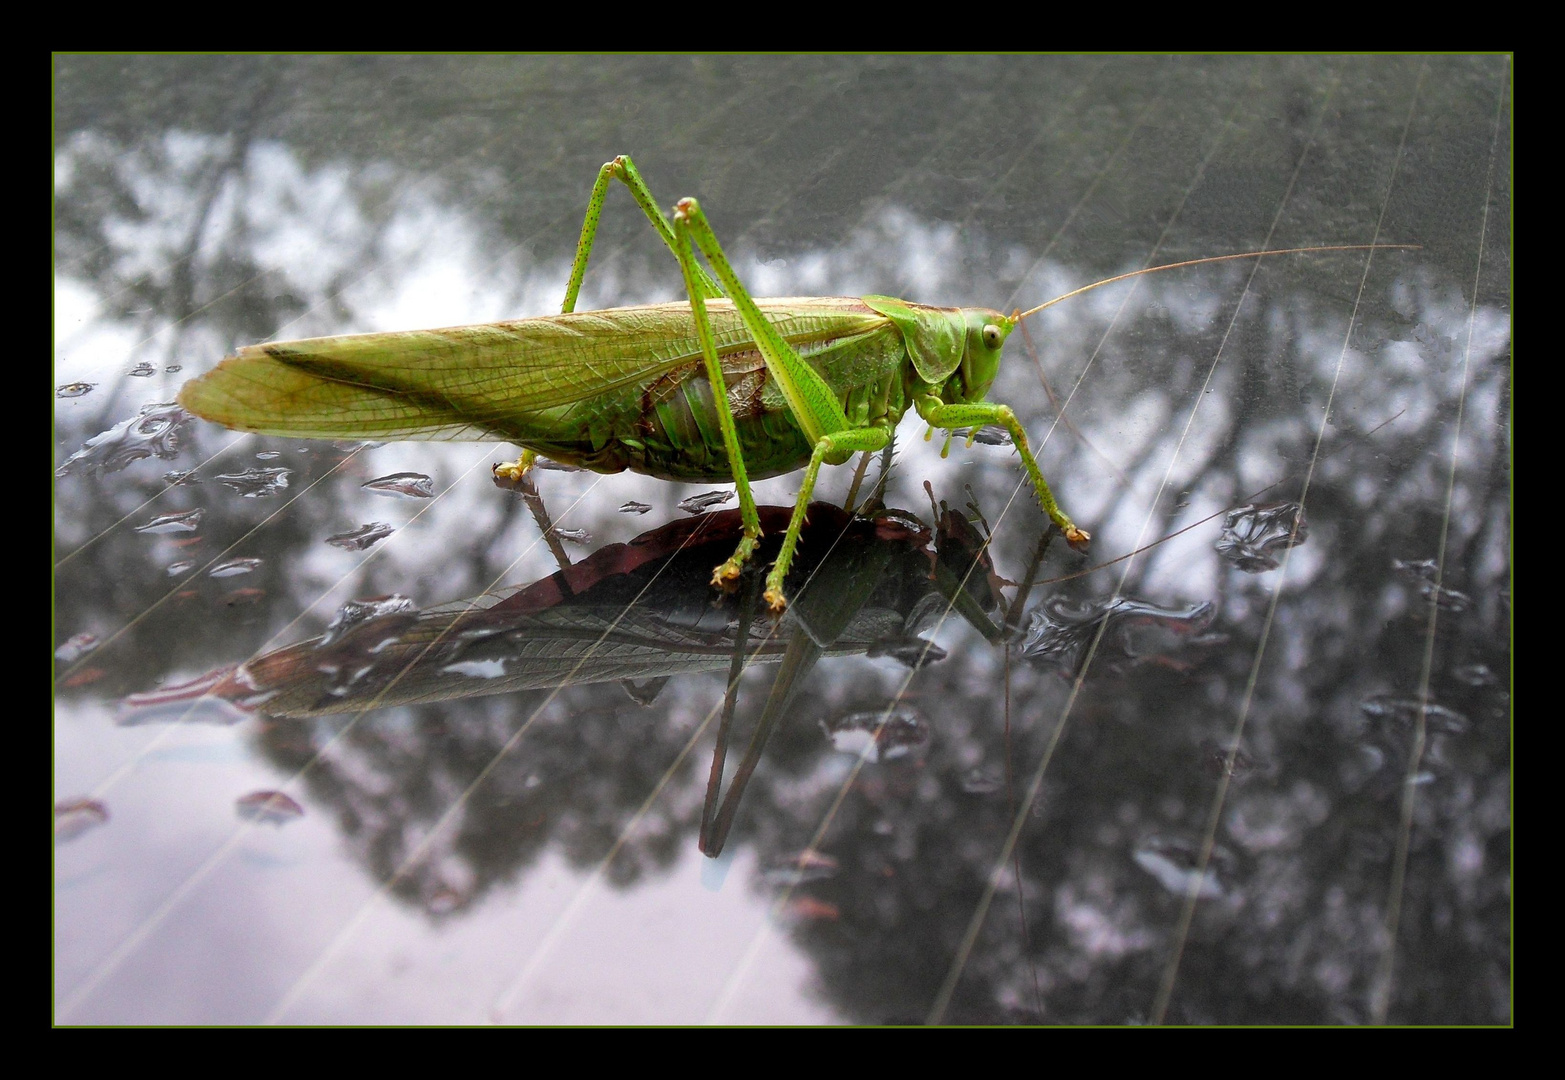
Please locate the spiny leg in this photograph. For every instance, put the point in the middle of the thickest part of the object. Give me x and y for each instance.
(976, 414)
(811, 399)
(624, 170)
(814, 404)
(728, 573)
(850, 504)
(836, 447)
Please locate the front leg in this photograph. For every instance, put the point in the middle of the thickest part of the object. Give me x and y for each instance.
(836, 447)
(938, 414)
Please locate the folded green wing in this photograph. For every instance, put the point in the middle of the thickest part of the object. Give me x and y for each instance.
(480, 382)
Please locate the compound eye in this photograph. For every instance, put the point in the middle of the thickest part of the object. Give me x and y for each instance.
(993, 339)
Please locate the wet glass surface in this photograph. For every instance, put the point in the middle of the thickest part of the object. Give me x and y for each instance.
(324, 755)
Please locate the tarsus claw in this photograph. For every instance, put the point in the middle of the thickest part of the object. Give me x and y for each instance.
(512, 471)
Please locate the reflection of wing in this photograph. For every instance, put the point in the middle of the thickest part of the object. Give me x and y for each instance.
(475, 382)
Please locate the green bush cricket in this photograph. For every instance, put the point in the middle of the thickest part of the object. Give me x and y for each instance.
(808, 380)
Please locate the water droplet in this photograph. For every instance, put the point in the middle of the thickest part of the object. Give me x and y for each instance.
(355, 612)
(268, 807)
(1174, 862)
(180, 566)
(74, 389)
(1252, 535)
(363, 537)
(241, 597)
(153, 432)
(174, 368)
(1418, 571)
(444, 900)
(1404, 711)
(269, 455)
(234, 567)
(143, 370)
(493, 668)
(876, 736)
(207, 699)
(1061, 630)
(1475, 675)
(574, 536)
(698, 503)
(913, 652)
(983, 780)
(73, 817)
(1214, 761)
(1444, 598)
(187, 521)
(256, 483)
(634, 507)
(787, 871)
(1361, 768)
(76, 647)
(176, 478)
(407, 485)
(1425, 575)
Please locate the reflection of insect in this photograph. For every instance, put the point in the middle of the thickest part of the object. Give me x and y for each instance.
(807, 380)
(871, 586)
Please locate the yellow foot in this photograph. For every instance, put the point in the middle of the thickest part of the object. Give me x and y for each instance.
(726, 577)
(775, 600)
(515, 470)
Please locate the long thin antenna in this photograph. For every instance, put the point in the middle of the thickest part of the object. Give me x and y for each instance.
(1020, 315)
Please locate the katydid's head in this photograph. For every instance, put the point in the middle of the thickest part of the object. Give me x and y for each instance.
(984, 337)
(955, 351)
